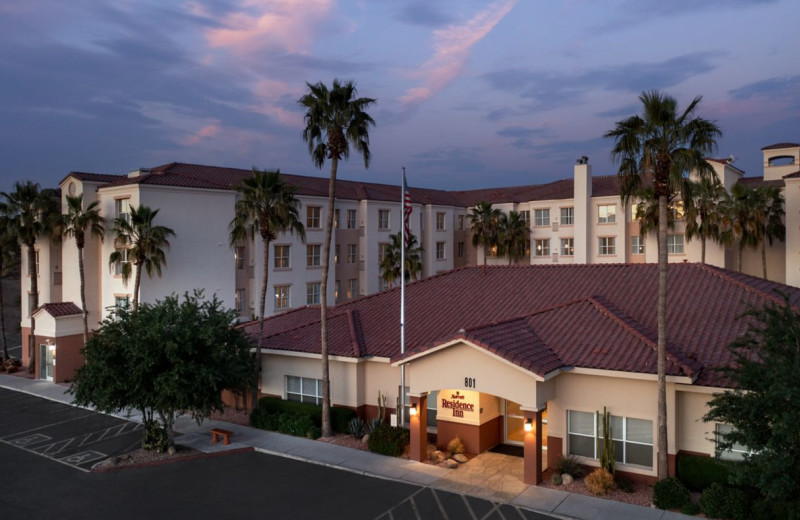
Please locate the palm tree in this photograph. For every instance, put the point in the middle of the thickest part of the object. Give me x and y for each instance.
(267, 207)
(146, 243)
(664, 146)
(335, 120)
(647, 212)
(8, 256)
(513, 235)
(390, 265)
(484, 222)
(30, 212)
(769, 215)
(739, 223)
(702, 212)
(755, 216)
(76, 223)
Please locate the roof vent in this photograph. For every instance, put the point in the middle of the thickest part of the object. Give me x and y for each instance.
(138, 172)
(462, 331)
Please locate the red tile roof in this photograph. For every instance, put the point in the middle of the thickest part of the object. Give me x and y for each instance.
(59, 309)
(778, 146)
(93, 177)
(544, 317)
(759, 181)
(793, 175)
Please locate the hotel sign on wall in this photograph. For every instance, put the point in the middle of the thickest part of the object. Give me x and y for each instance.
(459, 404)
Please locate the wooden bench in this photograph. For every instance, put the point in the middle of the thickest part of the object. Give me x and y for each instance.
(216, 433)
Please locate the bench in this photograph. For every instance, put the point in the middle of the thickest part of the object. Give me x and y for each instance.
(216, 433)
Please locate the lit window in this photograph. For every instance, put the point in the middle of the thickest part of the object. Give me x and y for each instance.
(542, 217)
(440, 250)
(607, 213)
(239, 256)
(567, 216)
(281, 257)
(336, 254)
(313, 217)
(676, 210)
(606, 246)
(675, 244)
(567, 247)
(543, 247)
(313, 255)
(352, 288)
(336, 219)
(351, 253)
(239, 301)
(632, 438)
(491, 252)
(336, 290)
(383, 219)
(313, 293)
(637, 245)
(304, 389)
(351, 219)
(282, 297)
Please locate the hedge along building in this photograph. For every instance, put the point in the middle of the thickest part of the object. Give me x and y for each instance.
(549, 346)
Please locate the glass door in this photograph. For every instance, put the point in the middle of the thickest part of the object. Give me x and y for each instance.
(515, 424)
(47, 356)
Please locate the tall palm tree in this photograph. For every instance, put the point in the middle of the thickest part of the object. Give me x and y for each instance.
(740, 223)
(267, 207)
(755, 217)
(484, 222)
(76, 222)
(9, 255)
(513, 235)
(647, 212)
(664, 146)
(335, 119)
(702, 212)
(146, 243)
(769, 215)
(390, 265)
(30, 212)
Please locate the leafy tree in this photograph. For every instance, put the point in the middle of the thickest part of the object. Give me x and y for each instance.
(267, 207)
(9, 256)
(174, 356)
(484, 225)
(752, 216)
(335, 119)
(703, 218)
(764, 407)
(146, 243)
(646, 212)
(30, 212)
(513, 235)
(76, 222)
(390, 266)
(663, 146)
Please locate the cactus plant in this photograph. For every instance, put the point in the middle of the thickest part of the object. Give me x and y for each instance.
(605, 444)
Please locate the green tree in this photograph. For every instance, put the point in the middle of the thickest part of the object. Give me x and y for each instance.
(9, 256)
(145, 243)
(267, 207)
(30, 213)
(484, 225)
(390, 265)
(646, 212)
(703, 218)
(76, 222)
(663, 146)
(752, 216)
(513, 235)
(768, 216)
(335, 120)
(174, 356)
(764, 406)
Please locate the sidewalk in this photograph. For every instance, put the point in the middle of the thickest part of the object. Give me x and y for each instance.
(567, 505)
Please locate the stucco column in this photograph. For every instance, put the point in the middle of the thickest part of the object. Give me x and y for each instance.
(418, 429)
(533, 449)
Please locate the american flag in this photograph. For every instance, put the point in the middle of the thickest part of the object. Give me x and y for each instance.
(406, 209)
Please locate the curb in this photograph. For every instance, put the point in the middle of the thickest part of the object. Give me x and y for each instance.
(113, 469)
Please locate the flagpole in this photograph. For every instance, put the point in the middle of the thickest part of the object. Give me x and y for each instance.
(403, 300)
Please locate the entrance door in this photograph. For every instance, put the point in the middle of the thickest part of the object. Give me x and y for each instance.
(515, 427)
(47, 354)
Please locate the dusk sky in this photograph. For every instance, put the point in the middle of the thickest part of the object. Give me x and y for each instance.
(470, 94)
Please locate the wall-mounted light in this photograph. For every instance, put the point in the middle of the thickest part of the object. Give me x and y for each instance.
(528, 425)
(412, 410)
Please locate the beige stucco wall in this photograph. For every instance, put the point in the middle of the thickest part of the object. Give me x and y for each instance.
(343, 375)
(692, 434)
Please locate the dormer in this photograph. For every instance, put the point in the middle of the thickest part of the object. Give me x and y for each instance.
(780, 159)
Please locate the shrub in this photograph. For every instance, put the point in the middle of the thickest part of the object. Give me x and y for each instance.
(274, 406)
(569, 465)
(690, 509)
(455, 446)
(373, 424)
(340, 418)
(719, 501)
(2, 367)
(357, 427)
(599, 481)
(556, 479)
(623, 484)
(700, 472)
(155, 437)
(297, 425)
(388, 440)
(670, 493)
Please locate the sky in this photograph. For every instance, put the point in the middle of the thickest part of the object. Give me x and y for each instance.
(469, 94)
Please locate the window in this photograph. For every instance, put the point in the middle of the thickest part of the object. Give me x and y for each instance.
(567, 216)
(239, 301)
(382, 284)
(312, 217)
(542, 217)
(737, 451)
(637, 245)
(526, 217)
(675, 210)
(461, 222)
(336, 287)
(440, 221)
(122, 302)
(440, 250)
(122, 209)
(633, 438)
(35, 266)
(304, 389)
(336, 254)
(351, 253)
(543, 247)
(312, 293)
(238, 255)
(607, 213)
(123, 259)
(351, 219)
(281, 257)
(492, 252)
(383, 219)
(674, 244)
(352, 288)
(282, 297)
(336, 219)
(567, 247)
(433, 396)
(313, 255)
(382, 249)
(606, 246)
(461, 249)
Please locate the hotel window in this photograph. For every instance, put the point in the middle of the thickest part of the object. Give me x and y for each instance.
(526, 217)
(35, 266)
(122, 209)
(542, 217)
(461, 222)
(382, 284)
(313, 255)
(336, 219)
(336, 287)
(282, 297)
(313, 217)
(637, 245)
(304, 389)
(440, 250)
(119, 266)
(312, 293)
(281, 257)
(606, 246)
(543, 247)
(461, 249)
(632, 438)
(383, 219)
(122, 302)
(607, 213)
(567, 216)
(433, 409)
(736, 451)
(675, 210)
(239, 301)
(674, 244)
(352, 288)
(382, 249)
(239, 256)
(440, 221)
(336, 254)
(351, 253)
(567, 247)
(351, 219)
(491, 252)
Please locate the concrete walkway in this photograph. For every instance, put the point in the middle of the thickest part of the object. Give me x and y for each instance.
(561, 503)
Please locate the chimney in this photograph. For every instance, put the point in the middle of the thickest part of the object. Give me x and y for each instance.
(582, 209)
(139, 172)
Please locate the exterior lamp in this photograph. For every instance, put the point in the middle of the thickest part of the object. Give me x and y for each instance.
(528, 425)
(412, 410)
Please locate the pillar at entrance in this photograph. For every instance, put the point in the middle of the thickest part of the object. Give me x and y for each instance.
(418, 429)
(533, 449)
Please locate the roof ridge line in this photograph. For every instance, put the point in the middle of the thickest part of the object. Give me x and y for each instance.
(352, 319)
(723, 273)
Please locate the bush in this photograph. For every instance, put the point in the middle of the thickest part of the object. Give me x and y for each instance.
(155, 437)
(357, 427)
(670, 493)
(599, 481)
(719, 501)
(298, 425)
(455, 446)
(556, 479)
(568, 465)
(388, 440)
(700, 472)
(340, 418)
(690, 509)
(273, 406)
(623, 484)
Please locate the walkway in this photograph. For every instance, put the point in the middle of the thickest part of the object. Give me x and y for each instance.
(481, 477)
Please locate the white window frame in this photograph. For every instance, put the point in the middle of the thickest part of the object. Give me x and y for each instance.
(283, 296)
(674, 245)
(606, 246)
(313, 293)
(542, 248)
(239, 257)
(606, 213)
(239, 301)
(568, 246)
(313, 255)
(461, 249)
(313, 217)
(310, 390)
(119, 299)
(440, 220)
(568, 216)
(621, 458)
(122, 208)
(124, 259)
(737, 451)
(383, 220)
(440, 250)
(637, 245)
(352, 253)
(541, 217)
(351, 219)
(352, 288)
(526, 217)
(281, 256)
